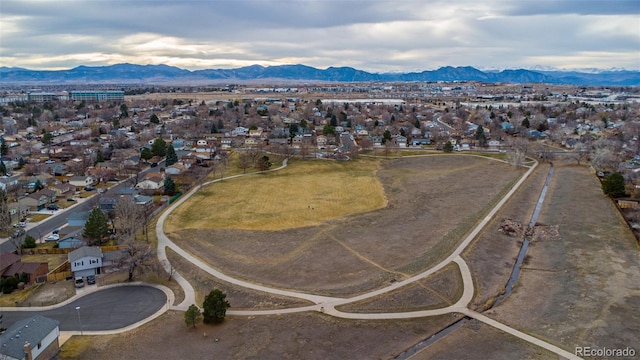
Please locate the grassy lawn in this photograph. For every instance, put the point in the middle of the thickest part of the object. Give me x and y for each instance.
(54, 260)
(305, 194)
(38, 217)
(86, 194)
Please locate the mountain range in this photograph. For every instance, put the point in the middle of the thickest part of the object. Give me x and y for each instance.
(159, 74)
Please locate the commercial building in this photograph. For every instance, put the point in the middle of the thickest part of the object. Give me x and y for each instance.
(97, 95)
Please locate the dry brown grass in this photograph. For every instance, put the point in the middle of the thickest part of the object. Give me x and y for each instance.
(305, 194)
(38, 217)
(54, 260)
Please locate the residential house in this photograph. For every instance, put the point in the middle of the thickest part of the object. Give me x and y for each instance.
(152, 181)
(11, 265)
(85, 261)
(256, 133)
(401, 141)
(71, 231)
(8, 181)
(175, 169)
(239, 131)
(71, 242)
(321, 140)
(32, 338)
(107, 203)
(250, 142)
(142, 200)
(78, 218)
(226, 143)
(420, 141)
(81, 181)
(63, 190)
(37, 200)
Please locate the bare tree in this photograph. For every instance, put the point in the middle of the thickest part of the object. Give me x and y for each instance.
(244, 161)
(581, 153)
(545, 153)
(137, 255)
(5, 217)
(518, 152)
(254, 154)
(128, 217)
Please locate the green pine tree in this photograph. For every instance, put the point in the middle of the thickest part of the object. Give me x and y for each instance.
(172, 157)
(215, 307)
(97, 226)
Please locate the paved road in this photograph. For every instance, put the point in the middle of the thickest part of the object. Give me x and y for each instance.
(59, 218)
(108, 309)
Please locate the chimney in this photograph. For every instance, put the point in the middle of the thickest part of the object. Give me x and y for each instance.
(27, 351)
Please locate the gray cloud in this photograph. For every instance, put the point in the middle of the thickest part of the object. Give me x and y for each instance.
(378, 35)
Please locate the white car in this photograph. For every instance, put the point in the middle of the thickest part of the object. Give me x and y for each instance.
(50, 162)
(52, 237)
(21, 224)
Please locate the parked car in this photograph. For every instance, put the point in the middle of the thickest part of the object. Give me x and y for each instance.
(52, 237)
(53, 207)
(89, 188)
(50, 162)
(91, 279)
(79, 281)
(20, 224)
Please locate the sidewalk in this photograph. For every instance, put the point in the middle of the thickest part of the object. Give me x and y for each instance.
(52, 214)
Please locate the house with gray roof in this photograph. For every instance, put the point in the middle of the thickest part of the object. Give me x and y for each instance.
(31, 338)
(85, 261)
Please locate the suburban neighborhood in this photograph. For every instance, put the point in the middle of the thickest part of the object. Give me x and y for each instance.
(87, 175)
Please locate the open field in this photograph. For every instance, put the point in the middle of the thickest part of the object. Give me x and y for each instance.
(439, 290)
(432, 202)
(589, 270)
(492, 254)
(305, 194)
(292, 336)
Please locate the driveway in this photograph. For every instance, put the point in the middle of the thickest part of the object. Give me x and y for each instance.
(108, 309)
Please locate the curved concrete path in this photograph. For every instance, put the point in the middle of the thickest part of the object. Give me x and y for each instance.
(328, 304)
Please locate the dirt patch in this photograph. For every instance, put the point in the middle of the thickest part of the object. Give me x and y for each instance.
(580, 286)
(437, 291)
(475, 340)
(492, 254)
(238, 297)
(433, 202)
(293, 336)
(49, 293)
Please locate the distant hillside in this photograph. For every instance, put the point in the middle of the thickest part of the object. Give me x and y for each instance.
(131, 73)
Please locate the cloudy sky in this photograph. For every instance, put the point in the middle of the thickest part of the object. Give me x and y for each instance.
(371, 35)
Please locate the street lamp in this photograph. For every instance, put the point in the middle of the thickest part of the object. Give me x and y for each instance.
(79, 321)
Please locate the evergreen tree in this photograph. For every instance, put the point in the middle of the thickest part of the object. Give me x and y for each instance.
(96, 227)
(159, 147)
(215, 307)
(169, 187)
(4, 149)
(614, 185)
(154, 119)
(448, 147)
(192, 316)
(146, 154)
(99, 156)
(172, 157)
(3, 169)
(47, 138)
(386, 136)
(525, 123)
